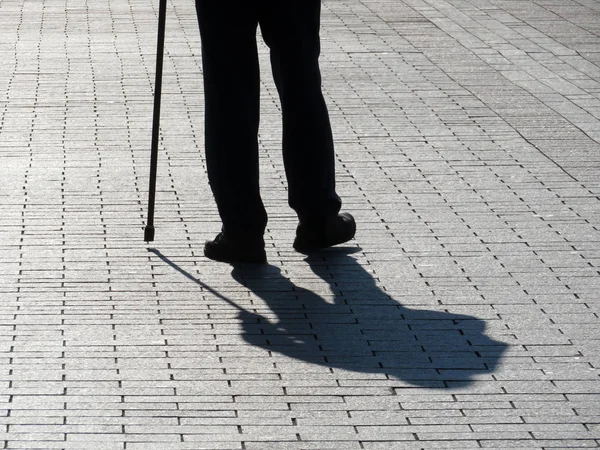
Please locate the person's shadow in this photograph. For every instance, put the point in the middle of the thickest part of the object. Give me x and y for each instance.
(359, 328)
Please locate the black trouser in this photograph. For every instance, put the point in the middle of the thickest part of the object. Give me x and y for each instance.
(232, 92)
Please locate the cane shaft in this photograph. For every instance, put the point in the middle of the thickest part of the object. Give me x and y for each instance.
(160, 46)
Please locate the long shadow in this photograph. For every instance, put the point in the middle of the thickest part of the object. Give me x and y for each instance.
(358, 327)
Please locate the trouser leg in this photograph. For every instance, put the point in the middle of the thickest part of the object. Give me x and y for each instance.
(232, 95)
(291, 30)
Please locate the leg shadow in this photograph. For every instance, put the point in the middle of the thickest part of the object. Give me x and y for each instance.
(358, 327)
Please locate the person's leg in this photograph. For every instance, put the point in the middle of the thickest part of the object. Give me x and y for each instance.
(231, 90)
(291, 30)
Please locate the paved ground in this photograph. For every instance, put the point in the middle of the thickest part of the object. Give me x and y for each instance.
(463, 315)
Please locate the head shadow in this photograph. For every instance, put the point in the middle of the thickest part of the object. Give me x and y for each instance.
(358, 327)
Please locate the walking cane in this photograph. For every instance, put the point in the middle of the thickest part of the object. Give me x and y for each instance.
(160, 47)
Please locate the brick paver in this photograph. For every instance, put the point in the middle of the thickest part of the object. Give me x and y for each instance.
(463, 315)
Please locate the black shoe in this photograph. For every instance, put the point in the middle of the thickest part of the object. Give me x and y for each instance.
(224, 249)
(314, 235)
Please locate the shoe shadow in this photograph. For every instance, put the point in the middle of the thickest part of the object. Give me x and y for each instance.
(357, 327)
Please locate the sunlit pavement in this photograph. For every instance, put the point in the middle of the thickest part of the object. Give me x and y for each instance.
(463, 315)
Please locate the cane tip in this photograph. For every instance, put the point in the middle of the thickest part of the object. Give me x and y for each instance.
(149, 233)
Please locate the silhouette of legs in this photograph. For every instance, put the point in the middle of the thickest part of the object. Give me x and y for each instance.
(232, 86)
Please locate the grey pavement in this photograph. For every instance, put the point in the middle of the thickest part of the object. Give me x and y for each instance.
(463, 315)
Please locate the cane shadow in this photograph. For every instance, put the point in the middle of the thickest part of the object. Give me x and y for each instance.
(357, 327)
